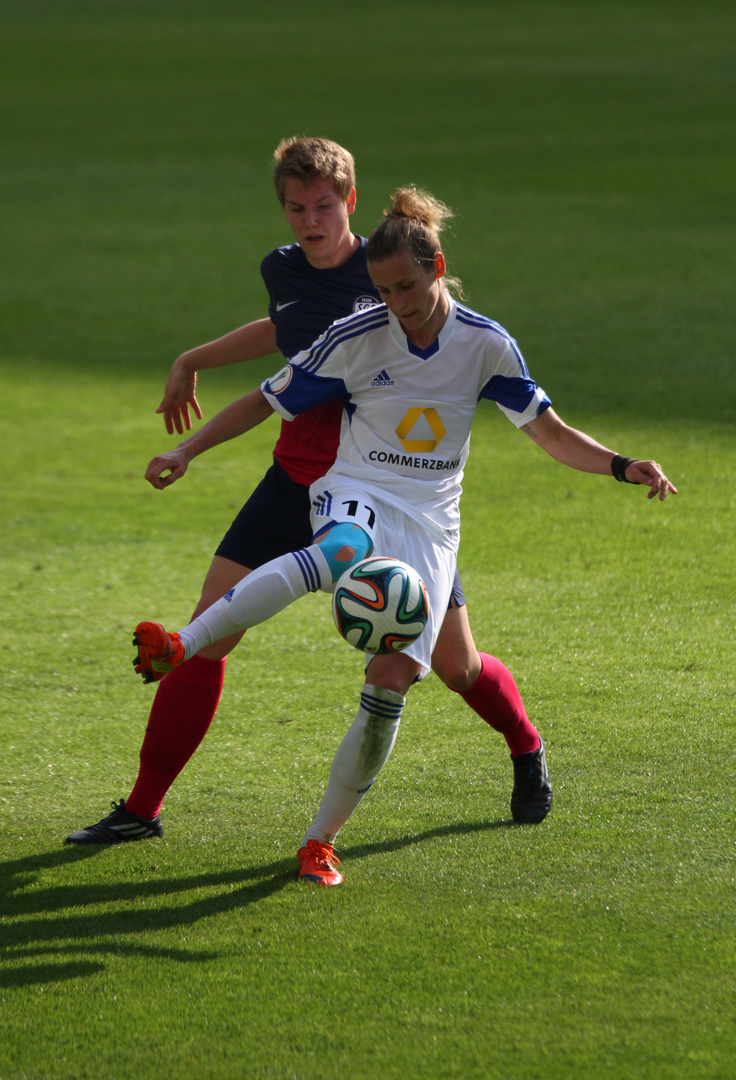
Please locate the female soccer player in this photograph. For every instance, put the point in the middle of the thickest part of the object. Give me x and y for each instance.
(322, 277)
(419, 356)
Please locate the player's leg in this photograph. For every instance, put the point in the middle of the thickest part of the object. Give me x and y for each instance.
(482, 681)
(368, 743)
(258, 597)
(184, 706)
(364, 750)
(489, 688)
(185, 703)
(343, 525)
(274, 520)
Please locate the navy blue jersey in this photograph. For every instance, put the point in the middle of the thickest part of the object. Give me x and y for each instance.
(305, 301)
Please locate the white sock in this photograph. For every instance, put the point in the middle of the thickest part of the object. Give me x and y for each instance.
(360, 757)
(261, 594)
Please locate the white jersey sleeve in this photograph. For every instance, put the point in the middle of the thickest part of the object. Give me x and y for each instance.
(508, 381)
(319, 373)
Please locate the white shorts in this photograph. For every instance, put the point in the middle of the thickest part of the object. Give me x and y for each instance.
(399, 536)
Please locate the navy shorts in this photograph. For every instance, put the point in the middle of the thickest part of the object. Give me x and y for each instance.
(274, 521)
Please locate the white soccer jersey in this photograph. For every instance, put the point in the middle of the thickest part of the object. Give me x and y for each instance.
(408, 411)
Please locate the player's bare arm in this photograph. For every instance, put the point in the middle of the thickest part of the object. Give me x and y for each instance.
(234, 420)
(248, 342)
(577, 450)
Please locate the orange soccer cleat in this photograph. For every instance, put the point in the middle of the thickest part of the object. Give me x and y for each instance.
(158, 652)
(317, 862)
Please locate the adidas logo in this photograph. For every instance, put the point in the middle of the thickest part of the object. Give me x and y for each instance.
(133, 828)
(383, 379)
(323, 505)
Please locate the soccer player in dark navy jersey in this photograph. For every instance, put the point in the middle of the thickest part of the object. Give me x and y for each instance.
(304, 301)
(321, 294)
(311, 283)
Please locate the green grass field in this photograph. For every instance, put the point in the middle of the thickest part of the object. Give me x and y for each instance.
(588, 152)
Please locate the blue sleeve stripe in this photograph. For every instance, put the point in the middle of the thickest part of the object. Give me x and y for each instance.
(342, 331)
(306, 390)
(512, 393)
(471, 318)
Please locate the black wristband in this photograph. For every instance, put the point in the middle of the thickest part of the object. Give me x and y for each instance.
(619, 465)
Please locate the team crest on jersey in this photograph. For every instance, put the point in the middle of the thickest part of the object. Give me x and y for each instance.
(362, 303)
(279, 382)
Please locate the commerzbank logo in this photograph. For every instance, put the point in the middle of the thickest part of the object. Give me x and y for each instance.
(420, 423)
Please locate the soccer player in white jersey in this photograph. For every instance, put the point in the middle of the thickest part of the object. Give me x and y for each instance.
(311, 283)
(410, 374)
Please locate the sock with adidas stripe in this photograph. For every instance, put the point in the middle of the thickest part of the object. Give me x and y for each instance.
(361, 755)
(259, 596)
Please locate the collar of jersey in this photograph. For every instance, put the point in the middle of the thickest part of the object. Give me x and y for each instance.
(424, 354)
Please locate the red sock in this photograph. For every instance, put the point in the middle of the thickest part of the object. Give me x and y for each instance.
(183, 709)
(496, 699)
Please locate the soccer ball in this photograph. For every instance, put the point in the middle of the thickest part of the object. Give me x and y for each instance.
(380, 605)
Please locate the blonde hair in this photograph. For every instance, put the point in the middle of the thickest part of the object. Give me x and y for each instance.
(306, 159)
(412, 223)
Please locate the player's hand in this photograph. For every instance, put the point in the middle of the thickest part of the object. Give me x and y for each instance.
(178, 396)
(166, 469)
(650, 473)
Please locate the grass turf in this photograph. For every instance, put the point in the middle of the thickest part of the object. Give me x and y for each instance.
(586, 151)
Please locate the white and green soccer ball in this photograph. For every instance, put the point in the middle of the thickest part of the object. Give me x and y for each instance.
(380, 605)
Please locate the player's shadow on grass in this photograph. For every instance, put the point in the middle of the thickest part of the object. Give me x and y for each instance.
(17, 873)
(60, 927)
(84, 939)
(460, 828)
(93, 938)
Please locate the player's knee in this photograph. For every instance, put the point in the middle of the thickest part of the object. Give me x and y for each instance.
(343, 545)
(457, 671)
(393, 671)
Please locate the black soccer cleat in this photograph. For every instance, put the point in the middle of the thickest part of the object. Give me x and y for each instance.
(117, 828)
(531, 798)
